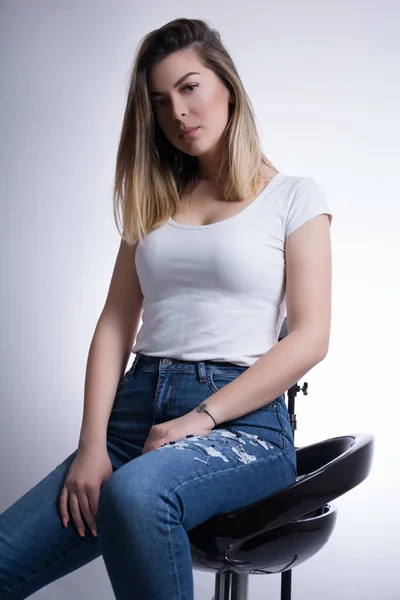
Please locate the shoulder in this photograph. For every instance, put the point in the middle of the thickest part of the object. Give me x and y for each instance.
(304, 199)
(297, 183)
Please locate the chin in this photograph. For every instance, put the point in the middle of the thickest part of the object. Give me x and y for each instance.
(188, 152)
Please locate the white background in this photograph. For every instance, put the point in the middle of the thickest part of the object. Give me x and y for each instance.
(324, 82)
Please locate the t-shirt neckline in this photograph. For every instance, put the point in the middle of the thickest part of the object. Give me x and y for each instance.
(257, 199)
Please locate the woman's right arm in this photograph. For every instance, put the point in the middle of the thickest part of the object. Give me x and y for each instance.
(108, 354)
(110, 348)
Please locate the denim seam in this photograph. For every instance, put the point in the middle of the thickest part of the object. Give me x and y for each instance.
(170, 397)
(81, 545)
(171, 544)
(293, 467)
(158, 373)
(281, 433)
(213, 372)
(285, 441)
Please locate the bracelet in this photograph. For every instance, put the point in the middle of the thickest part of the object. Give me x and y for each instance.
(202, 408)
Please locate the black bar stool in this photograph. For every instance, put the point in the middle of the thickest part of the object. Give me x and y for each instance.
(284, 529)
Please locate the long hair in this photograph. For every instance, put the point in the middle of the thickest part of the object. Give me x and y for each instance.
(151, 173)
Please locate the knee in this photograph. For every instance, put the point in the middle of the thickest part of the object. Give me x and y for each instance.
(125, 492)
(111, 496)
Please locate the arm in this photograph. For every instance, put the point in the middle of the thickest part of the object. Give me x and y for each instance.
(308, 304)
(110, 347)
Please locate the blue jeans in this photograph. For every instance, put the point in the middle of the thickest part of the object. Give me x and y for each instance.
(151, 500)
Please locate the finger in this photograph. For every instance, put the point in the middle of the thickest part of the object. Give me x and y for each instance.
(63, 503)
(87, 511)
(76, 513)
(93, 496)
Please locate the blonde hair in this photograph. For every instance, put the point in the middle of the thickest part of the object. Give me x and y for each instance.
(151, 173)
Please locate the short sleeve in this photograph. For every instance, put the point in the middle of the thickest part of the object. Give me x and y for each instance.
(308, 201)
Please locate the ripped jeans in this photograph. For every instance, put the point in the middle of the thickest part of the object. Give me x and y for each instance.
(150, 501)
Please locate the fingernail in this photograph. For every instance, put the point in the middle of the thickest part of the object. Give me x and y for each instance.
(65, 522)
(94, 532)
(82, 532)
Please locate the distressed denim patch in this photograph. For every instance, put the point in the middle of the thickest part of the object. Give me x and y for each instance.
(222, 444)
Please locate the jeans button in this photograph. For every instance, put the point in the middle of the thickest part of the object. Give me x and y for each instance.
(167, 362)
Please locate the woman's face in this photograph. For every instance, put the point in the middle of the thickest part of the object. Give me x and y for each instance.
(197, 100)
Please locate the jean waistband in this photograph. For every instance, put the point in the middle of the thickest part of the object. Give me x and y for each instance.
(155, 363)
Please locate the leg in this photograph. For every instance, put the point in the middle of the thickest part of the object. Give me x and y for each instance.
(148, 505)
(35, 547)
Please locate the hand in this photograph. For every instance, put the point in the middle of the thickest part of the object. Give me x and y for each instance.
(177, 429)
(88, 472)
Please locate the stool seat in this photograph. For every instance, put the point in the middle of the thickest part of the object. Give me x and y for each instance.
(286, 528)
(271, 552)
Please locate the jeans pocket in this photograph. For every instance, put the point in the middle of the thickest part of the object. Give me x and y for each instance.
(216, 381)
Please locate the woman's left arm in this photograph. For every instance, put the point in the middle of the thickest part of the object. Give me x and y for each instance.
(308, 258)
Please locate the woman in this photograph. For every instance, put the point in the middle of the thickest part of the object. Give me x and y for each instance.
(216, 247)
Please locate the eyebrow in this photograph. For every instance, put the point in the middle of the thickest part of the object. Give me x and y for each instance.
(177, 83)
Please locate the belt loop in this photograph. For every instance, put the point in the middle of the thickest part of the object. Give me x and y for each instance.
(201, 369)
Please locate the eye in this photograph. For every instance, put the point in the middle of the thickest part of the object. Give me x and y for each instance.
(156, 103)
(190, 85)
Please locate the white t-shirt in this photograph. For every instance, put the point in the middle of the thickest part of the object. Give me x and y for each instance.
(217, 292)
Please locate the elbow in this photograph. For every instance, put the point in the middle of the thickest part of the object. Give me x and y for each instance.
(323, 349)
(317, 346)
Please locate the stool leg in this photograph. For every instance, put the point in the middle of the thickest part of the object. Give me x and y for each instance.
(230, 585)
(286, 585)
(222, 585)
(239, 586)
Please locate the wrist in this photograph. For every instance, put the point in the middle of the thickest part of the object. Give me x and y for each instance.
(203, 408)
(89, 443)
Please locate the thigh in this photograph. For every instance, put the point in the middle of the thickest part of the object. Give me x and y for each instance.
(232, 469)
(200, 476)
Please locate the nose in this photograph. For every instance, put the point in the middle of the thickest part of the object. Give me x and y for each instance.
(178, 108)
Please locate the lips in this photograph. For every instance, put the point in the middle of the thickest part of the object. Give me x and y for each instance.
(184, 133)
